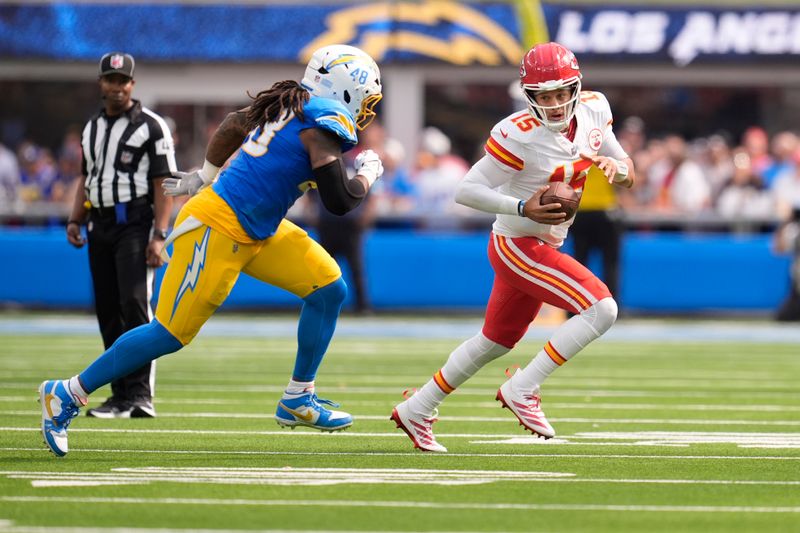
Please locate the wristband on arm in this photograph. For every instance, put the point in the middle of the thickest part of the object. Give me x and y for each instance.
(622, 172)
(209, 172)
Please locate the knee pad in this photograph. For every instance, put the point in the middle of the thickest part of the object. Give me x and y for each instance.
(161, 338)
(333, 293)
(602, 315)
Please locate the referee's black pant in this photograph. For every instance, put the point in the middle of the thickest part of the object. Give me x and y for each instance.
(599, 230)
(345, 237)
(123, 284)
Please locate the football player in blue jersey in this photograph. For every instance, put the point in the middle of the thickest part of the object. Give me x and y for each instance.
(292, 137)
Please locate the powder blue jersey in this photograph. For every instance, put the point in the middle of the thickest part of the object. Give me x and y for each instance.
(272, 169)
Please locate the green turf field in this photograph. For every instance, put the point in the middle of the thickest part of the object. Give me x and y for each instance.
(653, 436)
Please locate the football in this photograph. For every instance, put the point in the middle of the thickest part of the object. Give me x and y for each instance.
(564, 194)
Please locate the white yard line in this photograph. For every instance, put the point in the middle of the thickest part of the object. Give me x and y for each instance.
(492, 419)
(81, 500)
(7, 526)
(395, 392)
(394, 383)
(636, 457)
(673, 406)
(750, 436)
(280, 476)
(328, 476)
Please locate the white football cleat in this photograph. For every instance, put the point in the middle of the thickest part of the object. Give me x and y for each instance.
(527, 407)
(59, 407)
(417, 427)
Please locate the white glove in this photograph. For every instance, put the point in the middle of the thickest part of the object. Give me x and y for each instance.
(369, 165)
(187, 182)
(183, 183)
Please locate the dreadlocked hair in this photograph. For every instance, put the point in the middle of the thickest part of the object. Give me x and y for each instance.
(270, 105)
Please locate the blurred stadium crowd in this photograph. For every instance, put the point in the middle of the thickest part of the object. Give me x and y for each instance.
(747, 182)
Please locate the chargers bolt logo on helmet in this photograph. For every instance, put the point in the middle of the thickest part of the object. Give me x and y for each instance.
(548, 67)
(347, 74)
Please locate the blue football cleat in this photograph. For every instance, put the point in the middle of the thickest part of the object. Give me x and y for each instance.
(59, 407)
(305, 410)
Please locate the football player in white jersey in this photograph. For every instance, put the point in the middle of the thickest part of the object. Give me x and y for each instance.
(563, 135)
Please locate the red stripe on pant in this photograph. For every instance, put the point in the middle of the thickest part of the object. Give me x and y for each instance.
(516, 299)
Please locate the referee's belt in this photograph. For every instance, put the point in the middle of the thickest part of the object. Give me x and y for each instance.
(120, 211)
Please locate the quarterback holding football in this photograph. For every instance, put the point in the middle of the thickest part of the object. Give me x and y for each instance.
(562, 135)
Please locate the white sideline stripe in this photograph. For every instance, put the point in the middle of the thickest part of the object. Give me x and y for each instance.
(408, 504)
(396, 391)
(38, 483)
(6, 527)
(279, 433)
(232, 475)
(773, 446)
(672, 406)
(398, 381)
(283, 476)
(770, 408)
(664, 438)
(410, 453)
(644, 435)
(574, 420)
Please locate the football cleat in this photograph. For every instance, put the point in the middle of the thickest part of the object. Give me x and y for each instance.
(527, 407)
(306, 410)
(111, 408)
(59, 407)
(115, 408)
(418, 427)
(143, 409)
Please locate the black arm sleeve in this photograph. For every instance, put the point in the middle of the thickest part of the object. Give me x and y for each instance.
(339, 194)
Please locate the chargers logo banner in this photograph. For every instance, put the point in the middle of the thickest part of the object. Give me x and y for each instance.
(463, 33)
(453, 32)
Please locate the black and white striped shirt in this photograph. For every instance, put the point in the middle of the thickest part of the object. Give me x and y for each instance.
(122, 154)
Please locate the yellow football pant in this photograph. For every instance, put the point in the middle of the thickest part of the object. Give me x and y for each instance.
(205, 265)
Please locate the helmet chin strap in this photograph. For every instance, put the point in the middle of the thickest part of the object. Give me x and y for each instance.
(540, 112)
(560, 126)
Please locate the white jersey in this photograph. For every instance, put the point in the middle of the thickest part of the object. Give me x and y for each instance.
(531, 155)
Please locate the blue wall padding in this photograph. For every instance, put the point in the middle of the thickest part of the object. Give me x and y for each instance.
(661, 272)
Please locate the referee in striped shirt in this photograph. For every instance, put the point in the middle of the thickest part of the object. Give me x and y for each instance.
(127, 151)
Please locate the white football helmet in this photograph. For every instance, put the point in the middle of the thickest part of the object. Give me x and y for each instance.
(347, 74)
